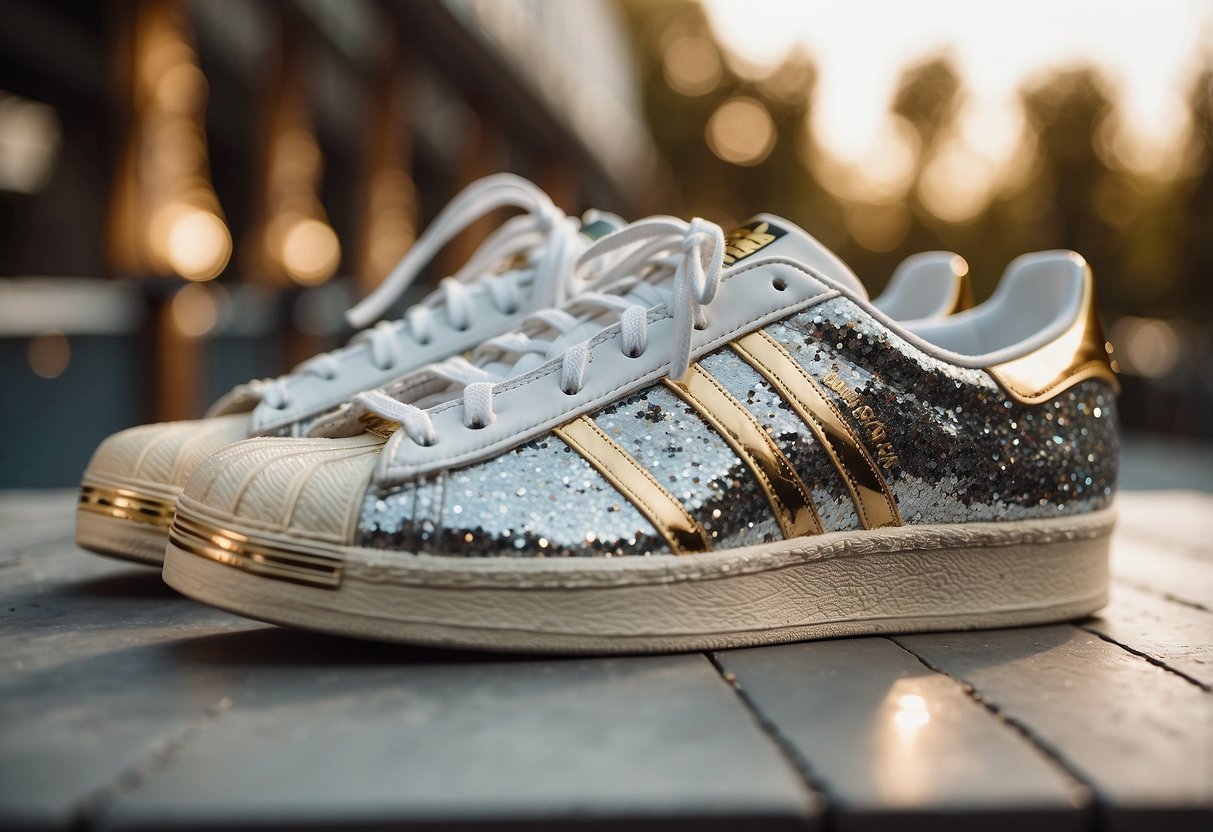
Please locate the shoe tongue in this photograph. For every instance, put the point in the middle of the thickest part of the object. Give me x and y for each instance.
(773, 236)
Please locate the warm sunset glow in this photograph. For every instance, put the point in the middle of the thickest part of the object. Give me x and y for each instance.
(1148, 52)
(883, 175)
(955, 185)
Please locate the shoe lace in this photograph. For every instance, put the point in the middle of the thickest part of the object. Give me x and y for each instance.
(693, 253)
(543, 232)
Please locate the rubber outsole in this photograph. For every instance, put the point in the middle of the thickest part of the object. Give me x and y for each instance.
(896, 580)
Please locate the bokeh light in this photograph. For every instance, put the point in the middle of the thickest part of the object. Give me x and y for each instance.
(1147, 347)
(198, 244)
(741, 131)
(692, 65)
(195, 309)
(49, 354)
(310, 252)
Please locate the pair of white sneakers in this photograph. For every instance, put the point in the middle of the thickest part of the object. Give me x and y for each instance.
(662, 437)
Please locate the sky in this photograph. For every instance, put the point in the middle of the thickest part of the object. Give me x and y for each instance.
(1149, 50)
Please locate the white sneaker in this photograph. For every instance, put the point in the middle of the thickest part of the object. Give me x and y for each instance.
(129, 490)
(742, 450)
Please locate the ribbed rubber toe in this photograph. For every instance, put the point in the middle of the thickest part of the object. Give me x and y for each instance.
(129, 491)
(307, 487)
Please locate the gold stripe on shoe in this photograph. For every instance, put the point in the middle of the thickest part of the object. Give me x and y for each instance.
(669, 517)
(874, 501)
(309, 565)
(125, 504)
(784, 490)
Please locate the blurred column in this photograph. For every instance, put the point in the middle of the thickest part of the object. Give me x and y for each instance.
(292, 244)
(486, 151)
(165, 220)
(388, 198)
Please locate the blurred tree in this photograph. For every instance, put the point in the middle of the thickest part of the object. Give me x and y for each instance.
(699, 182)
(1195, 280)
(1067, 184)
(929, 96)
(1066, 112)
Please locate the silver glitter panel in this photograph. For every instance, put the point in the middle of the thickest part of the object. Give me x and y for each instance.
(402, 518)
(538, 500)
(830, 496)
(687, 456)
(964, 450)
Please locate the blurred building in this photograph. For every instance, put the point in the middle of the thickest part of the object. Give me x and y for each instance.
(193, 191)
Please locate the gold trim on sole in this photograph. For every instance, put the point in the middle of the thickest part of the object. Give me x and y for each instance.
(786, 493)
(294, 563)
(682, 532)
(874, 502)
(125, 504)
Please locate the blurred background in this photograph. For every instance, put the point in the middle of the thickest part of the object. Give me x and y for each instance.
(193, 191)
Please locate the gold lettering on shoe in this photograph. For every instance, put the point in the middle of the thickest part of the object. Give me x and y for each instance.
(874, 501)
(878, 433)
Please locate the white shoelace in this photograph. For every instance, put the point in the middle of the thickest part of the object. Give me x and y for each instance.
(628, 288)
(543, 232)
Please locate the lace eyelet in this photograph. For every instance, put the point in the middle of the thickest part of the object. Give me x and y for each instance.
(569, 392)
(634, 355)
(426, 444)
(779, 284)
(699, 328)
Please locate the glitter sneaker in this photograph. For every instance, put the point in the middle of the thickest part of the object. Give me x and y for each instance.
(130, 488)
(749, 453)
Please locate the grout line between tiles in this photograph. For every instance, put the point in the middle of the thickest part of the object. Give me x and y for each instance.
(795, 759)
(90, 807)
(1081, 792)
(1141, 654)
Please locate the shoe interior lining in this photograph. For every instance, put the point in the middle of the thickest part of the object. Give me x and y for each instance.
(1039, 297)
(920, 286)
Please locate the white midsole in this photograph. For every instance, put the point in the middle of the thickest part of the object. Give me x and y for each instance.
(120, 538)
(903, 579)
